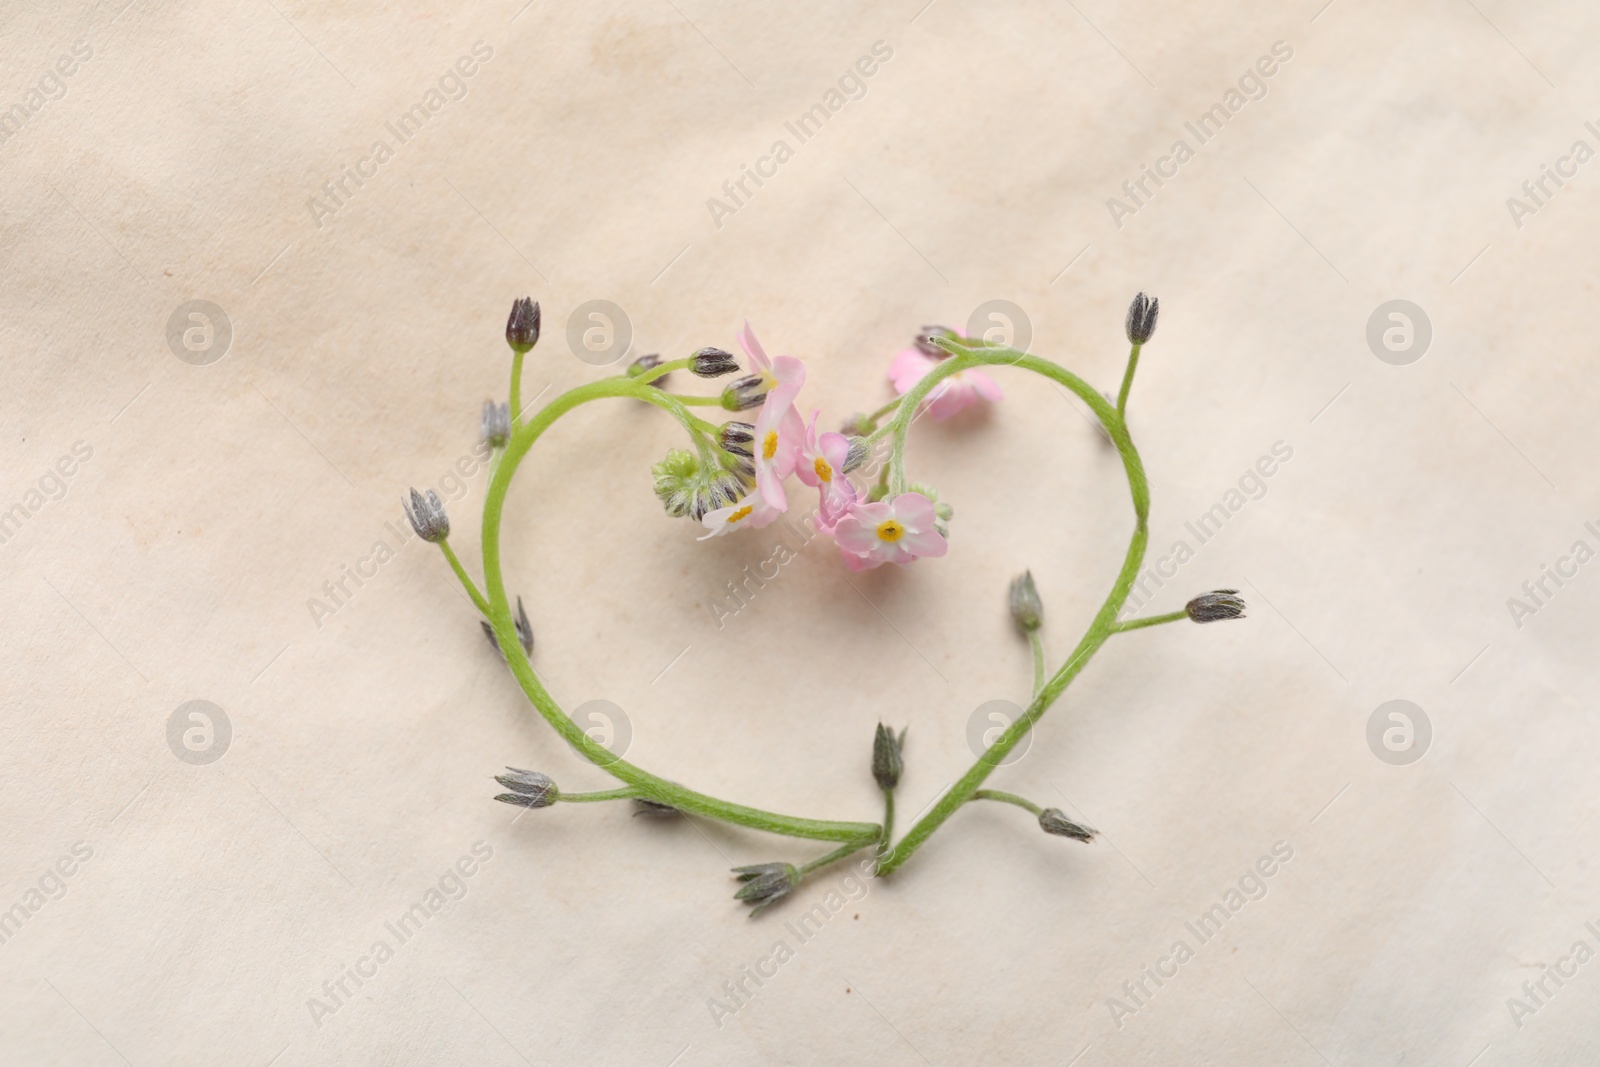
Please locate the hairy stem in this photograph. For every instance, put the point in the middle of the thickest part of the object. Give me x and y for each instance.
(627, 792)
(461, 574)
(1127, 380)
(1154, 620)
(499, 615)
(1004, 798)
(1037, 643)
(1105, 620)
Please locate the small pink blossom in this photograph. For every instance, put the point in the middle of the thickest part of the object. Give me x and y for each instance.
(957, 392)
(752, 512)
(820, 464)
(778, 430)
(894, 531)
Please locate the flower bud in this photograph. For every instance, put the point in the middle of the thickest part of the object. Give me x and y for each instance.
(858, 452)
(765, 884)
(653, 808)
(738, 438)
(644, 365)
(1142, 315)
(925, 345)
(887, 762)
(1027, 610)
(745, 393)
(1055, 821)
(524, 630)
(496, 423)
(530, 789)
(1215, 607)
(675, 479)
(712, 363)
(522, 328)
(427, 516)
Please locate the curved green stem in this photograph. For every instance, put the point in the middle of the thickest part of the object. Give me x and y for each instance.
(1154, 620)
(1105, 620)
(850, 848)
(1004, 798)
(499, 614)
(1038, 659)
(516, 388)
(461, 574)
(627, 792)
(1127, 380)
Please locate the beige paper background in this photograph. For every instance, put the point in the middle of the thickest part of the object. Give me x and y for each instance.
(219, 499)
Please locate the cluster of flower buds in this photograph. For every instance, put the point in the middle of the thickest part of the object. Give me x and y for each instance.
(687, 486)
(529, 789)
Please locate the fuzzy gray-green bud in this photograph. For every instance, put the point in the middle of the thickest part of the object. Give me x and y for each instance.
(496, 423)
(427, 516)
(1055, 821)
(1142, 315)
(887, 761)
(765, 884)
(712, 363)
(1027, 610)
(522, 327)
(529, 789)
(1215, 607)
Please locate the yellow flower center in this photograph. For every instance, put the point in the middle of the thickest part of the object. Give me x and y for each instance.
(769, 445)
(824, 471)
(742, 513)
(890, 531)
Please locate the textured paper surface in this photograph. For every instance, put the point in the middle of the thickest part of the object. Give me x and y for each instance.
(186, 159)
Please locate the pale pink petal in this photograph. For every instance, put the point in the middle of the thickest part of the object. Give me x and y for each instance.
(950, 396)
(914, 511)
(871, 514)
(924, 543)
(858, 563)
(855, 536)
(835, 447)
(770, 484)
(908, 367)
(753, 349)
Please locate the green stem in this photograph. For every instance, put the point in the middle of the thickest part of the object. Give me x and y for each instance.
(888, 821)
(499, 614)
(1038, 659)
(697, 401)
(461, 574)
(847, 849)
(625, 793)
(516, 388)
(1004, 798)
(661, 370)
(1127, 380)
(1105, 620)
(1154, 620)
